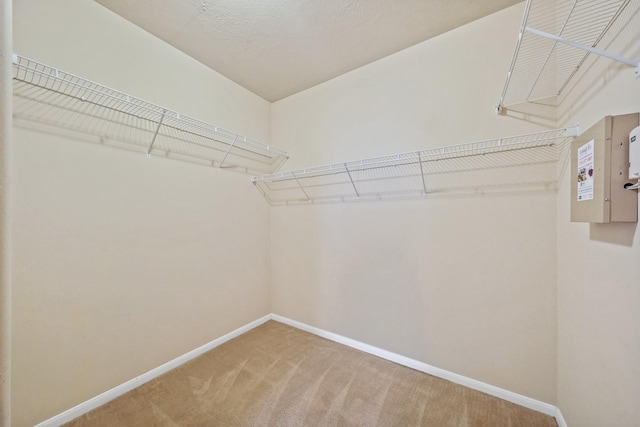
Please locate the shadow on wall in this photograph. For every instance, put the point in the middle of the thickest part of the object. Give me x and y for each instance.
(541, 112)
(620, 233)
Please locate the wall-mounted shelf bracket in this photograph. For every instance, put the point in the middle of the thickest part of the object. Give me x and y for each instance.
(228, 151)
(590, 49)
(346, 168)
(572, 131)
(424, 182)
(307, 198)
(155, 135)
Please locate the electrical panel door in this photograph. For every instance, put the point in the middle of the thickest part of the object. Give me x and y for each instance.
(599, 171)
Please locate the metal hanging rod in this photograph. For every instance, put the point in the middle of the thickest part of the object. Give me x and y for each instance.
(405, 174)
(49, 98)
(555, 39)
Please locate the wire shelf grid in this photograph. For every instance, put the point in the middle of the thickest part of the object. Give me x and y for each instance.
(48, 97)
(552, 46)
(516, 162)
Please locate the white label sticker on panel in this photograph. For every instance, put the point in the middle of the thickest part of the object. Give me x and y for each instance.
(585, 171)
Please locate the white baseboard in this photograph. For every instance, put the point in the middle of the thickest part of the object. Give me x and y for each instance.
(117, 391)
(560, 419)
(507, 395)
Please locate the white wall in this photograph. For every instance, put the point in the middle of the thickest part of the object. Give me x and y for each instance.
(465, 283)
(599, 272)
(115, 255)
(122, 263)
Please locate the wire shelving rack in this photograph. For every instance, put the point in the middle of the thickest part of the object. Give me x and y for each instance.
(515, 163)
(48, 98)
(554, 41)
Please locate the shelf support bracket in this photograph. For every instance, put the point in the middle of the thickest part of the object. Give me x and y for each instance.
(590, 49)
(424, 184)
(155, 135)
(351, 179)
(300, 185)
(572, 130)
(228, 151)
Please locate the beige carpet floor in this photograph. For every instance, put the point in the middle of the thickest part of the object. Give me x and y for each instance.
(276, 375)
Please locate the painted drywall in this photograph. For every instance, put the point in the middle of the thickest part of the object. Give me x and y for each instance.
(122, 263)
(465, 283)
(599, 269)
(6, 138)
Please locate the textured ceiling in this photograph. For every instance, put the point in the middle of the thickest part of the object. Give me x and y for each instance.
(276, 48)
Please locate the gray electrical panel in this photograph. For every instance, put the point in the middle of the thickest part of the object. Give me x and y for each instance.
(599, 171)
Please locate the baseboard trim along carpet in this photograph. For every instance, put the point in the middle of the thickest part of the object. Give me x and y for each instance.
(509, 396)
(560, 419)
(117, 391)
(121, 389)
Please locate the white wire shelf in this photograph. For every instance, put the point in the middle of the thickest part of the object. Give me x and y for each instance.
(555, 39)
(517, 163)
(51, 99)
